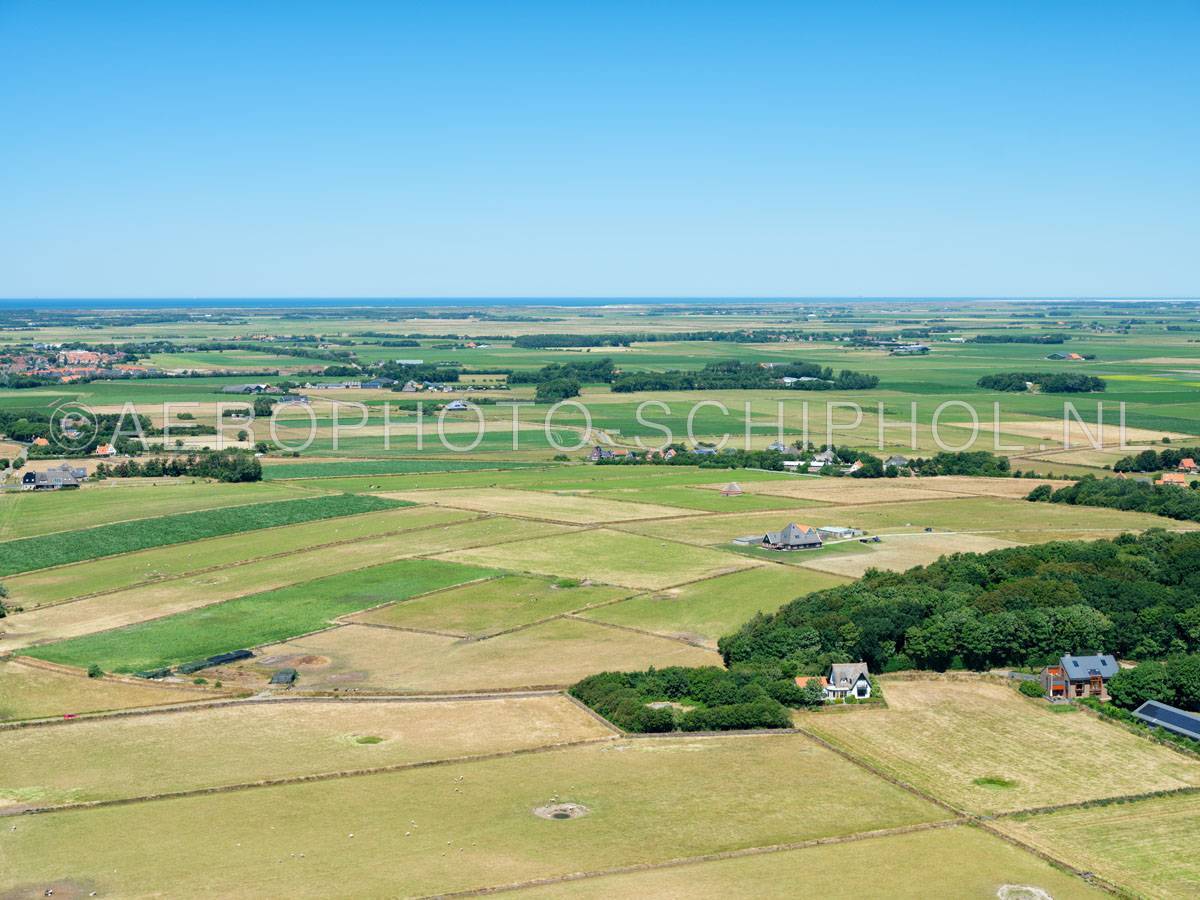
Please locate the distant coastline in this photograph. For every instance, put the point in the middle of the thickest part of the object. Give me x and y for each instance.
(89, 303)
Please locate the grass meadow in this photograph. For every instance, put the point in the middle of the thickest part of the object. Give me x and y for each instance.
(26, 554)
(255, 619)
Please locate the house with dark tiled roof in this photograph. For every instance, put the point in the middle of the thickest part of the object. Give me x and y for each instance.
(1079, 676)
(792, 537)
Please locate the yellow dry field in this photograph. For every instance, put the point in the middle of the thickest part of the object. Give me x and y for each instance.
(1052, 430)
(553, 654)
(899, 552)
(464, 826)
(843, 491)
(1147, 847)
(958, 862)
(942, 735)
(610, 557)
(161, 563)
(1011, 488)
(568, 508)
(28, 691)
(177, 595)
(111, 758)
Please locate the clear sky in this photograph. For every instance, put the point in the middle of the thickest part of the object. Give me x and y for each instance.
(176, 149)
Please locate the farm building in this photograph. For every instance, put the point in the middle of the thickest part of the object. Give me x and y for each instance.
(733, 489)
(1187, 464)
(792, 537)
(105, 450)
(455, 405)
(53, 479)
(844, 680)
(1175, 479)
(1176, 721)
(1079, 676)
(838, 531)
(896, 462)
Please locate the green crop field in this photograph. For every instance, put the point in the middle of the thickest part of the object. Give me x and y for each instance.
(256, 619)
(26, 554)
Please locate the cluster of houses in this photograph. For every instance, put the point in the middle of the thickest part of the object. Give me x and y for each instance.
(49, 361)
(1179, 478)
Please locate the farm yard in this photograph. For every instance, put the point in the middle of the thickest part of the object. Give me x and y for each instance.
(413, 622)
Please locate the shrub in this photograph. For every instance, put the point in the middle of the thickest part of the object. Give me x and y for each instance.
(94, 671)
(1031, 689)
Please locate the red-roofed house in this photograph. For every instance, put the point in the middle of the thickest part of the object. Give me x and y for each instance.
(1187, 464)
(105, 450)
(1177, 479)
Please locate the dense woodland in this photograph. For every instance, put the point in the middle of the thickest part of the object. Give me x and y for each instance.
(1137, 596)
(1046, 382)
(223, 465)
(734, 375)
(1171, 501)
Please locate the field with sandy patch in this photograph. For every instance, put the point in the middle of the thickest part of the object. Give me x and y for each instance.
(1147, 847)
(553, 654)
(947, 737)
(468, 825)
(239, 743)
(567, 508)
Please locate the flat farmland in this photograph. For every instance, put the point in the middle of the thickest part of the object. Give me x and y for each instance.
(486, 607)
(842, 491)
(567, 508)
(64, 547)
(703, 500)
(900, 552)
(552, 654)
(240, 743)
(1147, 847)
(611, 557)
(255, 619)
(151, 566)
(168, 597)
(944, 862)
(467, 825)
(706, 610)
(29, 514)
(986, 749)
(32, 692)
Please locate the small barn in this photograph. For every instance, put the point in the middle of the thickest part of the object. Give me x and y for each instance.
(733, 489)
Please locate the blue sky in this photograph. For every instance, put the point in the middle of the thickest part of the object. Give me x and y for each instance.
(274, 149)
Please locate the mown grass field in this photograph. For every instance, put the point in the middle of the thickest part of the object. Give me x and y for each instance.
(344, 468)
(25, 554)
(946, 737)
(470, 825)
(946, 862)
(708, 609)
(611, 557)
(109, 759)
(29, 692)
(569, 508)
(146, 567)
(490, 606)
(256, 619)
(1147, 847)
(30, 514)
(552, 654)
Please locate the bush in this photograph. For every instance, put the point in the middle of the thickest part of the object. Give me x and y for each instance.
(94, 671)
(1031, 689)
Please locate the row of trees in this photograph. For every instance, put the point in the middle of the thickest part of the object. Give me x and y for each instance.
(1155, 460)
(708, 698)
(1171, 501)
(592, 371)
(1048, 382)
(223, 465)
(734, 375)
(1136, 596)
(751, 336)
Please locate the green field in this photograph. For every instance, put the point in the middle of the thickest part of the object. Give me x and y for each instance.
(60, 548)
(377, 467)
(491, 606)
(256, 619)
